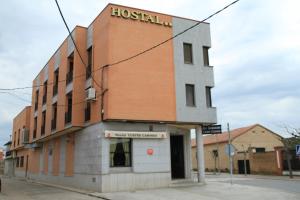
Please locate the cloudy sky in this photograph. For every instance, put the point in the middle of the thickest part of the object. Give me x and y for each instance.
(255, 53)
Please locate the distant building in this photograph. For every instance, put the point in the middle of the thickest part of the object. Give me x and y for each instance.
(254, 145)
(1, 154)
(124, 126)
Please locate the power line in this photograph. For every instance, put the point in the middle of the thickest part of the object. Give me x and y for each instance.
(12, 94)
(46, 104)
(131, 57)
(171, 38)
(70, 34)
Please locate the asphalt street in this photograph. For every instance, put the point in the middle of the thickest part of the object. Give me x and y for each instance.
(217, 188)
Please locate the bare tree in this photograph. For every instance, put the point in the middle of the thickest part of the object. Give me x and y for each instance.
(289, 143)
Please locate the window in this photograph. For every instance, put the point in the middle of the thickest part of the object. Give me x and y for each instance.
(19, 137)
(68, 114)
(43, 123)
(70, 69)
(188, 53)
(34, 127)
(190, 95)
(208, 96)
(17, 162)
(15, 137)
(22, 161)
(87, 111)
(215, 153)
(45, 92)
(260, 150)
(55, 83)
(36, 100)
(54, 115)
(120, 152)
(90, 62)
(205, 56)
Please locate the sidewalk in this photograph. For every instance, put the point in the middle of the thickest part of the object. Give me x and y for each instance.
(252, 176)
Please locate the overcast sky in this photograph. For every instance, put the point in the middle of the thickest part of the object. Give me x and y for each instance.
(255, 53)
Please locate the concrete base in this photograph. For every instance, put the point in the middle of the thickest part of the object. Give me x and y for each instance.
(134, 181)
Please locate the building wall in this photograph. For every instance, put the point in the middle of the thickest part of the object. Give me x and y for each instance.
(22, 120)
(90, 166)
(263, 163)
(20, 171)
(9, 167)
(197, 74)
(222, 162)
(255, 137)
(142, 88)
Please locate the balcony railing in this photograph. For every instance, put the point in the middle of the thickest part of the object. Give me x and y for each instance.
(87, 114)
(55, 89)
(69, 77)
(43, 130)
(68, 117)
(53, 124)
(44, 99)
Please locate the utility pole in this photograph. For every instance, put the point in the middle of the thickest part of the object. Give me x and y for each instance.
(230, 152)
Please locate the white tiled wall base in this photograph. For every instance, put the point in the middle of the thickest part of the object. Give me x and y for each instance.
(134, 181)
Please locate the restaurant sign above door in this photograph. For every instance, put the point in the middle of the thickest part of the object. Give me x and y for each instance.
(135, 134)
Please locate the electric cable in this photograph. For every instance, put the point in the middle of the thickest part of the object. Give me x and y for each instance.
(75, 45)
(131, 57)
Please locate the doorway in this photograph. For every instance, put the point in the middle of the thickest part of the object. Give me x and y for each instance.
(241, 166)
(177, 156)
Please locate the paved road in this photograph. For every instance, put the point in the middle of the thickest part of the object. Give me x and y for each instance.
(278, 183)
(217, 188)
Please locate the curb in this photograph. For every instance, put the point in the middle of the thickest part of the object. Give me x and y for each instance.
(80, 191)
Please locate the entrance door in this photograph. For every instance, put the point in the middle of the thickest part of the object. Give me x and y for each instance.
(177, 156)
(241, 166)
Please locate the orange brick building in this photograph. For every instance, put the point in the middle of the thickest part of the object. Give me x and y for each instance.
(107, 125)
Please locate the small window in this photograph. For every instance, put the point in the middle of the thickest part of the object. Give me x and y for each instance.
(90, 62)
(34, 128)
(120, 152)
(208, 96)
(17, 162)
(19, 134)
(43, 122)
(215, 153)
(190, 95)
(22, 161)
(205, 56)
(260, 150)
(188, 53)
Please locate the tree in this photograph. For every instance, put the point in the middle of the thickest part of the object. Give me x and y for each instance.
(290, 143)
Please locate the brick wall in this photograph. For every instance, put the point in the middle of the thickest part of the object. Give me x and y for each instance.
(264, 163)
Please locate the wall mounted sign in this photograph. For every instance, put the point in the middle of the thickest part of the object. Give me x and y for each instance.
(150, 152)
(131, 134)
(139, 16)
(212, 129)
